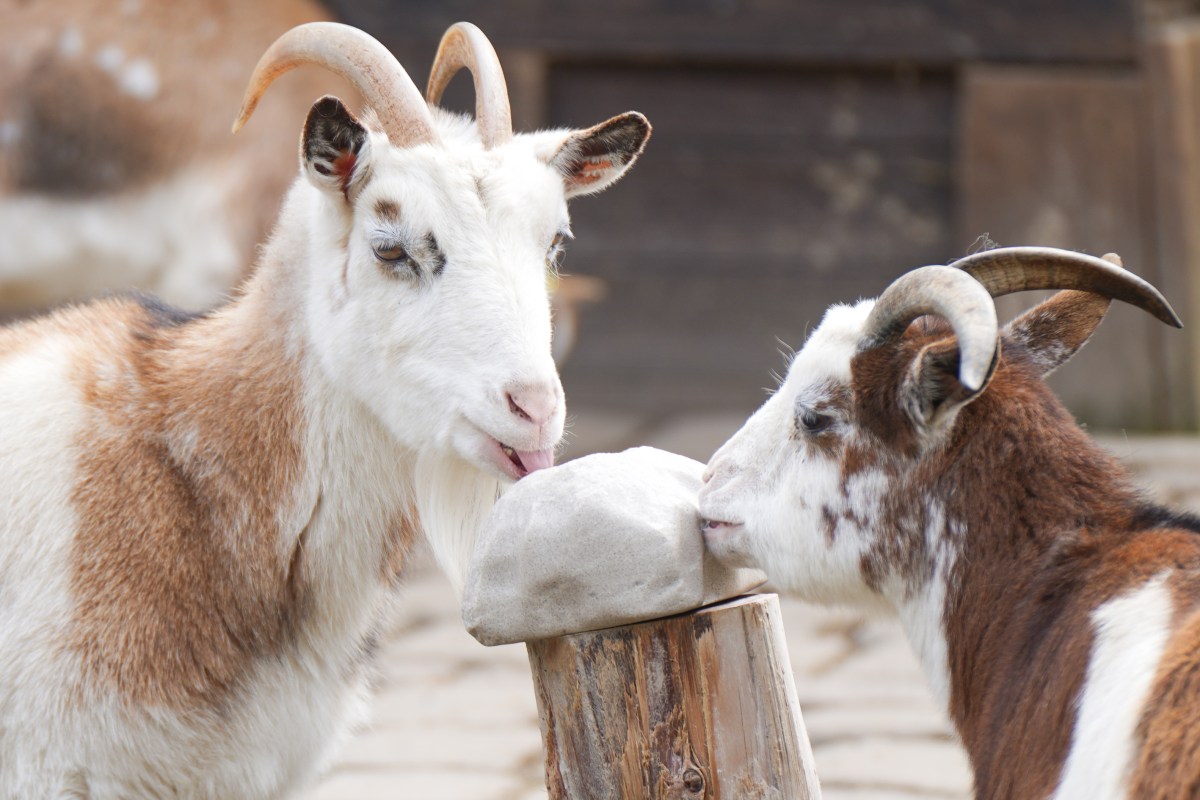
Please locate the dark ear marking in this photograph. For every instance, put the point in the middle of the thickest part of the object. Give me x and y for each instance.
(594, 159)
(932, 392)
(331, 146)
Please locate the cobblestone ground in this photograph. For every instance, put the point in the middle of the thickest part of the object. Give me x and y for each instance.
(454, 720)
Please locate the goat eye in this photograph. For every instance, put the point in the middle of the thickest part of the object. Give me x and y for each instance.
(812, 422)
(390, 253)
(395, 259)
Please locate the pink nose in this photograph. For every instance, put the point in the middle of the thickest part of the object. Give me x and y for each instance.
(534, 403)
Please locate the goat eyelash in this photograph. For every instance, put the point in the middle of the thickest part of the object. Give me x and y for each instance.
(395, 259)
(555, 253)
(812, 422)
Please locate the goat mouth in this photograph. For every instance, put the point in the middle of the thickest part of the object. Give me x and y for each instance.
(717, 524)
(516, 464)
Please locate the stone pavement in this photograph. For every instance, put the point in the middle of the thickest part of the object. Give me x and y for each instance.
(454, 720)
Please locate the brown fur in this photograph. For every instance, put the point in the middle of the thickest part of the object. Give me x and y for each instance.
(82, 137)
(402, 535)
(1053, 531)
(1068, 317)
(1169, 765)
(388, 210)
(178, 573)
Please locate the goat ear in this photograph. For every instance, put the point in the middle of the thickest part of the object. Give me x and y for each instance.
(332, 149)
(1053, 331)
(592, 160)
(931, 391)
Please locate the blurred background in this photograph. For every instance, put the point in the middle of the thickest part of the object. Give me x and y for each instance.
(804, 152)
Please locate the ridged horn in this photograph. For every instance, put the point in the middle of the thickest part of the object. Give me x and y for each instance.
(464, 45)
(360, 59)
(951, 294)
(1016, 269)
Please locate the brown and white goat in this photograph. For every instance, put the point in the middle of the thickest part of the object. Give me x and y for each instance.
(927, 468)
(115, 172)
(203, 517)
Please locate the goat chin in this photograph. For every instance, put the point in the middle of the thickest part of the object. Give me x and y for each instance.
(453, 499)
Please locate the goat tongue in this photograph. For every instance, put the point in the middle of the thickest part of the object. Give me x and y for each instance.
(533, 460)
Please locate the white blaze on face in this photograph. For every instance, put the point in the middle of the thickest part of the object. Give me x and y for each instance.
(774, 496)
(450, 346)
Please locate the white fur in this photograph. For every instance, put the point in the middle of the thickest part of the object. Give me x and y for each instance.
(922, 613)
(1131, 632)
(774, 488)
(404, 396)
(58, 249)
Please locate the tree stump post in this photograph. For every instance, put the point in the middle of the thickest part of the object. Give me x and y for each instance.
(699, 705)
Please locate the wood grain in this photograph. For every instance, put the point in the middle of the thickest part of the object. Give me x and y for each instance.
(1172, 69)
(1061, 157)
(833, 31)
(700, 705)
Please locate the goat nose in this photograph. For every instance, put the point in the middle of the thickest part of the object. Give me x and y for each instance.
(534, 403)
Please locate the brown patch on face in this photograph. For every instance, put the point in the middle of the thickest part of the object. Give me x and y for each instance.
(178, 574)
(387, 210)
(829, 521)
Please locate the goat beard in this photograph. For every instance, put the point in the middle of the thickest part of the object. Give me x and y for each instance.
(453, 500)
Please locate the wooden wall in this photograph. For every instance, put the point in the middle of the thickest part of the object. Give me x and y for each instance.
(809, 152)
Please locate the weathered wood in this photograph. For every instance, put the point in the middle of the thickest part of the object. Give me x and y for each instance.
(1061, 157)
(1172, 60)
(763, 197)
(832, 31)
(700, 705)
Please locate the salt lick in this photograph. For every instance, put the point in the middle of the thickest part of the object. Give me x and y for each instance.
(605, 540)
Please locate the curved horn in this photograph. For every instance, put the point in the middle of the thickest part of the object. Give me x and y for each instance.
(358, 58)
(1016, 269)
(951, 294)
(464, 45)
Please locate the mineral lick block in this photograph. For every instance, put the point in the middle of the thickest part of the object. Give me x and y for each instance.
(605, 540)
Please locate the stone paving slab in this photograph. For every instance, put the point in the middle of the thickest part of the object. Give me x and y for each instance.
(454, 720)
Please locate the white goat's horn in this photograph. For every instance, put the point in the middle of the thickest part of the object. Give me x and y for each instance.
(1016, 269)
(464, 45)
(358, 58)
(951, 294)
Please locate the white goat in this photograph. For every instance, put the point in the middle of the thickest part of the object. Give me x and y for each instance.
(929, 469)
(204, 517)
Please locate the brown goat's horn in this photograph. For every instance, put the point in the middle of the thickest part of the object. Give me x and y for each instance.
(1016, 269)
(952, 294)
(358, 58)
(464, 45)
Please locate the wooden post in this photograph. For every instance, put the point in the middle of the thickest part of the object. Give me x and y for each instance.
(700, 705)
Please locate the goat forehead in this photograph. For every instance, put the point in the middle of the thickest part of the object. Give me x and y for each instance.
(824, 361)
(509, 192)
(518, 185)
